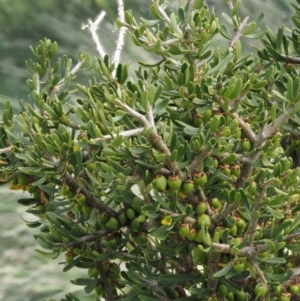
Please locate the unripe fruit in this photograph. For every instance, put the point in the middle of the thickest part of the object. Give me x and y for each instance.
(199, 255)
(122, 218)
(198, 237)
(222, 290)
(135, 224)
(184, 230)
(260, 289)
(90, 166)
(69, 257)
(238, 266)
(294, 289)
(230, 296)
(86, 209)
(112, 224)
(31, 189)
(241, 296)
(174, 182)
(188, 186)
(99, 290)
(160, 183)
(81, 199)
(102, 218)
(215, 203)
(93, 272)
(200, 178)
(224, 168)
(130, 213)
(204, 220)
(236, 170)
(65, 190)
(207, 115)
(246, 144)
(191, 234)
(197, 120)
(285, 297)
(201, 208)
(22, 179)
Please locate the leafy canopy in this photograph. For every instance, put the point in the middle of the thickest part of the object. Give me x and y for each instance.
(180, 183)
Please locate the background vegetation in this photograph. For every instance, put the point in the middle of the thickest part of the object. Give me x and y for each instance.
(23, 24)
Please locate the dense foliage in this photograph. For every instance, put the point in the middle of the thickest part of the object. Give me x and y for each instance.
(179, 184)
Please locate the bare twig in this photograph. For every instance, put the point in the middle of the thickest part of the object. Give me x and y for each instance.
(129, 133)
(273, 127)
(157, 290)
(195, 163)
(6, 149)
(237, 34)
(92, 28)
(83, 239)
(155, 139)
(91, 199)
(254, 219)
(57, 87)
(120, 39)
(191, 5)
(162, 12)
(245, 126)
(259, 271)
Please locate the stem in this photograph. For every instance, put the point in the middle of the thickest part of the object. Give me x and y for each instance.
(195, 163)
(120, 39)
(92, 27)
(256, 209)
(91, 199)
(129, 133)
(238, 34)
(6, 149)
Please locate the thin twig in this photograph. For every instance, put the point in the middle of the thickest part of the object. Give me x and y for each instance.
(125, 134)
(120, 39)
(157, 290)
(258, 203)
(56, 88)
(191, 5)
(92, 28)
(245, 126)
(83, 239)
(91, 199)
(162, 12)
(150, 115)
(195, 163)
(6, 149)
(273, 127)
(238, 34)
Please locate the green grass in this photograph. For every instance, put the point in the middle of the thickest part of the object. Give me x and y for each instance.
(25, 274)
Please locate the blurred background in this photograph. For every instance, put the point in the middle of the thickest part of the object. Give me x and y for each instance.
(24, 274)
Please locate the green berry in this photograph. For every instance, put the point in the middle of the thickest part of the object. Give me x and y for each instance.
(184, 230)
(174, 182)
(200, 178)
(188, 186)
(93, 272)
(201, 208)
(160, 183)
(204, 220)
(112, 224)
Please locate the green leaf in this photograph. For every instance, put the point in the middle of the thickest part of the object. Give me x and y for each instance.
(276, 260)
(149, 22)
(161, 232)
(274, 213)
(222, 63)
(227, 19)
(223, 271)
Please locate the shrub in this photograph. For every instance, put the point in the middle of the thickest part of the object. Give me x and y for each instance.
(178, 183)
